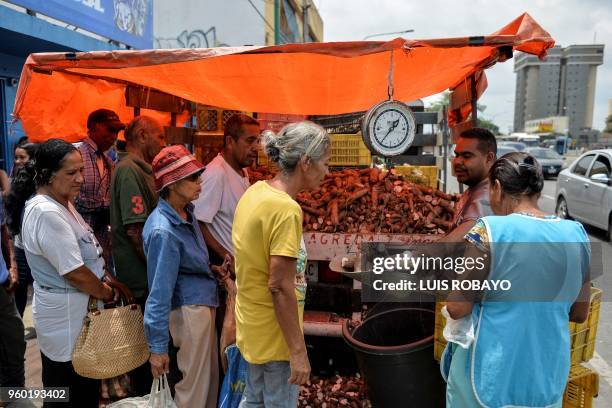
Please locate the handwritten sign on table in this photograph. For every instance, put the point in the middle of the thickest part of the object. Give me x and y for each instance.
(326, 246)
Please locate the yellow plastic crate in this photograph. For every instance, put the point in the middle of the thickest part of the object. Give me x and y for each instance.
(582, 335)
(349, 150)
(582, 387)
(262, 159)
(426, 175)
(439, 340)
(346, 150)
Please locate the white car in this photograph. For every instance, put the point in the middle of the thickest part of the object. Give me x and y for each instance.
(584, 190)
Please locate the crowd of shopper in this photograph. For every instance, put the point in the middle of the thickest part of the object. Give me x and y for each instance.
(180, 237)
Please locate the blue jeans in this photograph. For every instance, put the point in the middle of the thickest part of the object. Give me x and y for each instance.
(268, 386)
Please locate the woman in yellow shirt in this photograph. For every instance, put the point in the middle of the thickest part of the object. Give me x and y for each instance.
(270, 259)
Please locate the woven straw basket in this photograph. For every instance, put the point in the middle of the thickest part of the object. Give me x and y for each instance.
(112, 342)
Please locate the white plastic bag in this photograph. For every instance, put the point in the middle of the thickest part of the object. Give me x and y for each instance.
(160, 397)
(460, 331)
(133, 402)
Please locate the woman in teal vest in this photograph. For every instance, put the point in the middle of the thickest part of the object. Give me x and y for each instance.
(519, 353)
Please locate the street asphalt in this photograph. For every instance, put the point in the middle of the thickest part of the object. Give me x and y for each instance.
(602, 361)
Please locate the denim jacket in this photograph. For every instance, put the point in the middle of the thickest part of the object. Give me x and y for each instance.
(178, 272)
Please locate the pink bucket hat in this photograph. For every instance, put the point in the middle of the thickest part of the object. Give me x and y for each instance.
(172, 164)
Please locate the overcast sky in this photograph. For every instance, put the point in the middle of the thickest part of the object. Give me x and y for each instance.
(568, 22)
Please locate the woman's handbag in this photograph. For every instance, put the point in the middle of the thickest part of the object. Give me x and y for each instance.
(112, 341)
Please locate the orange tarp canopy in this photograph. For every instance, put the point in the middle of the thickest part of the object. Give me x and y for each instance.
(58, 90)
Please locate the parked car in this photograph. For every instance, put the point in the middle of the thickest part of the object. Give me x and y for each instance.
(501, 150)
(518, 146)
(548, 144)
(552, 162)
(584, 190)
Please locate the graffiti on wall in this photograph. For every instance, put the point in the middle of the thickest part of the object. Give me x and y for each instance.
(191, 39)
(131, 15)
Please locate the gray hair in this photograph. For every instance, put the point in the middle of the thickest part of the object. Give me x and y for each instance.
(294, 142)
(137, 124)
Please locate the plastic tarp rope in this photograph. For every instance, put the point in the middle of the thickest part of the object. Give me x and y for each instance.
(58, 90)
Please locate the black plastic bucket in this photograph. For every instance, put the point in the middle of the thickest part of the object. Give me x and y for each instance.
(394, 350)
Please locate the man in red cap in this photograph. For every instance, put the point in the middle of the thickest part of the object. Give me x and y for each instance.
(103, 126)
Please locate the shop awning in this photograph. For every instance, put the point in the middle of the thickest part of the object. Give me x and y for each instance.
(58, 90)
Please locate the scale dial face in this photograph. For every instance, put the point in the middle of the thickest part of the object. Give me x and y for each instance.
(389, 128)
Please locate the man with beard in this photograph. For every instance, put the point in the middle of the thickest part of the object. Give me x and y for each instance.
(475, 153)
(223, 183)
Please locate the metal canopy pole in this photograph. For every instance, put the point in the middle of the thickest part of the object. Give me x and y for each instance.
(305, 27)
(474, 100)
(445, 131)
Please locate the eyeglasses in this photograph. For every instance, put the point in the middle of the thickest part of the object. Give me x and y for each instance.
(195, 177)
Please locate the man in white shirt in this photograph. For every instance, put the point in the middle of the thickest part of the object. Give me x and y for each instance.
(223, 183)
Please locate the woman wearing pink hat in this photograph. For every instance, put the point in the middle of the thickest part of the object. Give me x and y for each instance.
(182, 286)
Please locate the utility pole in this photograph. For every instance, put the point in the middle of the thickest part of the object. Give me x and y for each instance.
(474, 92)
(305, 27)
(276, 22)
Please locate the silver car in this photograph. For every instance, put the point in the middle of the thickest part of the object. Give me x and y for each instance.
(503, 150)
(518, 146)
(584, 190)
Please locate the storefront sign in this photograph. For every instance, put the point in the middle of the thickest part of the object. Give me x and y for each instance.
(126, 21)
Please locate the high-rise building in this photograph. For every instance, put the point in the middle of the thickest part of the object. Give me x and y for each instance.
(561, 85)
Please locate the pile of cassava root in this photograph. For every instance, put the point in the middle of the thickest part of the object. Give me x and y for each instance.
(372, 201)
(334, 392)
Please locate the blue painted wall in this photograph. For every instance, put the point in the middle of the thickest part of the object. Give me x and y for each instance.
(21, 35)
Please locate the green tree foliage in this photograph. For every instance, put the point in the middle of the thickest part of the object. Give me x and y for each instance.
(608, 128)
(487, 124)
(444, 99)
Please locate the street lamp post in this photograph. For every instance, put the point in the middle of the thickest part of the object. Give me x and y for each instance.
(394, 32)
(276, 22)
